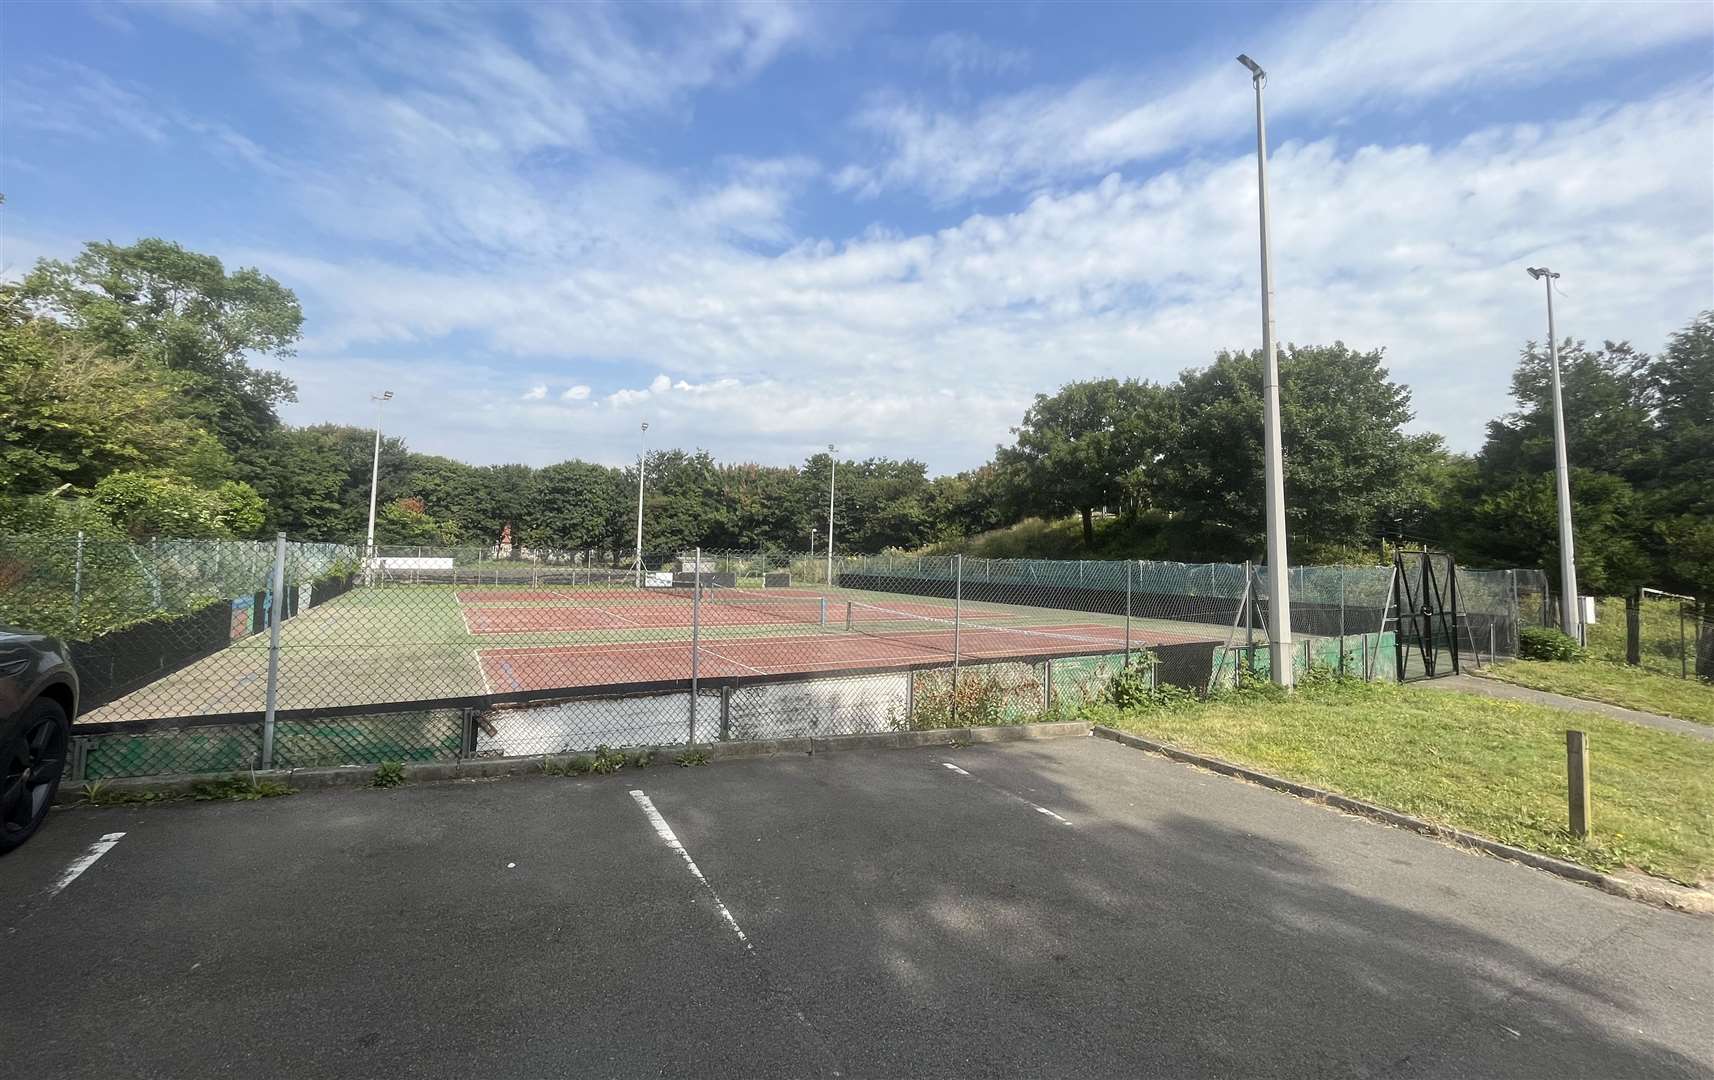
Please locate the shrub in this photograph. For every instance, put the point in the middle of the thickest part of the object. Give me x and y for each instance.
(1546, 643)
(388, 774)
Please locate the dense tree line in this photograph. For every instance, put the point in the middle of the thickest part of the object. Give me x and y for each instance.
(128, 406)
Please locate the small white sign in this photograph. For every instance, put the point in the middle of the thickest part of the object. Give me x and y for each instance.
(658, 579)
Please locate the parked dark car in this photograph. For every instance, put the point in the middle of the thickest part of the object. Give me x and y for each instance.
(38, 698)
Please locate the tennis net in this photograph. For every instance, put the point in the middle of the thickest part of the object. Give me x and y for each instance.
(980, 633)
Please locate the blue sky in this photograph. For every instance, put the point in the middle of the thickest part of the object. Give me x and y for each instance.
(767, 227)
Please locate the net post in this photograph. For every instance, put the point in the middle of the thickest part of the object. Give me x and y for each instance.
(848, 613)
(695, 639)
(276, 609)
(824, 611)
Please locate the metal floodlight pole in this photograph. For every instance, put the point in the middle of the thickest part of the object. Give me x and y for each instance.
(832, 474)
(1570, 618)
(642, 464)
(375, 469)
(1279, 585)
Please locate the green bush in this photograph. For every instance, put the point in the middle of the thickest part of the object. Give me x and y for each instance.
(388, 774)
(1546, 643)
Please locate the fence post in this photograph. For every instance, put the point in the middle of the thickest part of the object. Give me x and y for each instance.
(77, 583)
(695, 639)
(957, 625)
(1634, 628)
(1128, 563)
(1249, 608)
(1047, 684)
(1684, 662)
(467, 736)
(79, 764)
(725, 712)
(1577, 781)
(275, 612)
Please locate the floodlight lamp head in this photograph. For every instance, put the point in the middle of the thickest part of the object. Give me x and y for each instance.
(1539, 272)
(645, 425)
(1255, 68)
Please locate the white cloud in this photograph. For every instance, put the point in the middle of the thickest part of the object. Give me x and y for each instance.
(960, 53)
(1408, 246)
(575, 393)
(1331, 60)
(535, 393)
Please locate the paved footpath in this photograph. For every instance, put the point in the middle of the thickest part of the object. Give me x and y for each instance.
(1064, 908)
(1494, 688)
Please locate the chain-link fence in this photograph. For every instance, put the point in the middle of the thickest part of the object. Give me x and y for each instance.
(1671, 635)
(203, 655)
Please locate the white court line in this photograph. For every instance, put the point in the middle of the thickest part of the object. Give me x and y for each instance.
(85, 861)
(666, 833)
(729, 660)
(1009, 794)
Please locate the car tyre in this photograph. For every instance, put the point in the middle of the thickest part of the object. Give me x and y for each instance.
(32, 761)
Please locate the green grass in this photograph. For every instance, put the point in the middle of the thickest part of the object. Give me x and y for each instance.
(1615, 684)
(1492, 767)
(1660, 646)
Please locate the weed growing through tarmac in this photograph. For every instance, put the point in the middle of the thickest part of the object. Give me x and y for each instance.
(691, 758)
(99, 793)
(388, 774)
(605, 762)
(240, 789)
(224, 789)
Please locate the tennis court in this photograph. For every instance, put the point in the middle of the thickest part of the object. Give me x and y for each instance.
(404, 643)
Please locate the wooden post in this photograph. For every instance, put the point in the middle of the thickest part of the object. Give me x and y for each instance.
(1577, 781)
(1634, 628)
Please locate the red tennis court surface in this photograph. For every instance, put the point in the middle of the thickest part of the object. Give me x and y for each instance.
(519, 596)
(809, 612)
(567, 666)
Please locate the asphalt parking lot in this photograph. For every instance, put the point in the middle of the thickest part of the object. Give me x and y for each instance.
(1059, 908)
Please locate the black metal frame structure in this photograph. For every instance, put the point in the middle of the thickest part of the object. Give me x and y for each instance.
(1425, 595)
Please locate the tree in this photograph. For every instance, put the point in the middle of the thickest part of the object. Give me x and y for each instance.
(682, 508)
(1518, 524)
(1349, 465)
(573, 506)
(1089, 445)
(160, 504)
(1606, 397)
(1678, 497)
(71, 414)
(316, 479)
(406, 522)
(181, 311)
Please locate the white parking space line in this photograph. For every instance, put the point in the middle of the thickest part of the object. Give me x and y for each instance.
(1044, 811)
(85, 861)
(665, 832)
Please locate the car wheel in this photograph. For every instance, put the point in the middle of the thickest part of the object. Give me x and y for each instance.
(32, 760)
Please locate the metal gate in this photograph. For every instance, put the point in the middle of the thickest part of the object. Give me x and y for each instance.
(1425, 595)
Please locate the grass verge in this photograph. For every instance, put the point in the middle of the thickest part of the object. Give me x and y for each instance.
(1491, 767)
(1615, 684)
